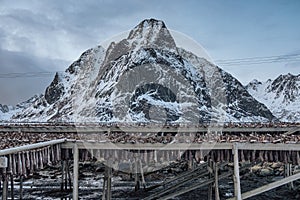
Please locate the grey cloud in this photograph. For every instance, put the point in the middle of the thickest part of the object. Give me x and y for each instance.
(54, 29)
(14, 90)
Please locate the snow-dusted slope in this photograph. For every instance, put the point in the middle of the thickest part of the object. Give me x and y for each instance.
(281, 96)
(6, 112)
(144, 78)
(66, 91)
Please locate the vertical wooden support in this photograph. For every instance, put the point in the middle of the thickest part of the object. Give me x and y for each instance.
(236, 176)
(210, 186)
(109, 183)
(5, 185)
(106, 194)
(104, 184)
(216, 170)
(66, 175)
(75, 171)
(289, 172)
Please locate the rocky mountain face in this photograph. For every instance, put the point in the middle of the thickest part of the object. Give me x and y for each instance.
(4, 108)
(144, 78)
(281, 96)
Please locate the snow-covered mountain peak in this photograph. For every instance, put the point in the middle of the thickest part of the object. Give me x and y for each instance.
(147, 27)
(150, 33)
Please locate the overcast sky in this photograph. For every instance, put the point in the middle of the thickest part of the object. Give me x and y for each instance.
(38, 36)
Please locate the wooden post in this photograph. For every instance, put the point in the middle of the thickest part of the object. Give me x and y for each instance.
(210, 186)
(66, 175)
(75, 171)
(236, 176)
(106, 192)
(289, 172)
(216, 169)
(104, 184)
(5, 185)
(109, 183)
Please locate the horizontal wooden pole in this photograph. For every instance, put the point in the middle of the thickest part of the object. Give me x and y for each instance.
(30, 147)
(269, 146)
(194, 186)
(147, 146)
(182, 146)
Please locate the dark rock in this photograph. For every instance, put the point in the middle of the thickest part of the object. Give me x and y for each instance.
(55, 90)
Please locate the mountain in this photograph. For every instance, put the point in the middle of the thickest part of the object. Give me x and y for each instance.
(144, 78)
(6, 112)
(281, 96)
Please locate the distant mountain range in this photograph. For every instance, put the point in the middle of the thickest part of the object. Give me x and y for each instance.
(147, 78)
(281, 96)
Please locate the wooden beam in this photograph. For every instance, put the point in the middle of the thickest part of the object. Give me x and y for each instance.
(30, 147)
(183, 175)
(236, 177)
(147, 146)
(75, 171)
(210, 186)
(109, 182)
(290, 132)
(5, 185)
(269, 146)
(181, 146)
(104, 192)
(269, 186)
(188, 178)
(195, 186)
(216, 169)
